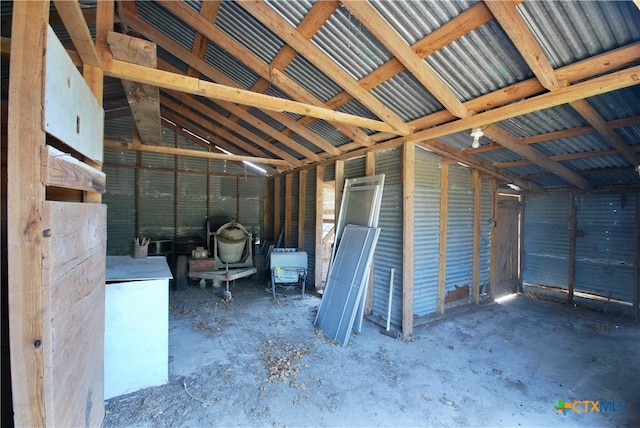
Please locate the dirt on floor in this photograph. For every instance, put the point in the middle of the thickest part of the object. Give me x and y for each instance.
(254, 361)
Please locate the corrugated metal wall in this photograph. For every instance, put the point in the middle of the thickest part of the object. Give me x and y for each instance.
(459, 228)
(310, 233)
(546, 240)
(427, 232)
(354, 168)
(389, 249)
(232, 192)
(156, 204)
(192, 205)
(605, 254)
(250, 204)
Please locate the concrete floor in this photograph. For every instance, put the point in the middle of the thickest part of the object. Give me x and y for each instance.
(258, 362)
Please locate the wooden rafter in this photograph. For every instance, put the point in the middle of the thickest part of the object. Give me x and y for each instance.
(567, 156)
(519, 33)
(304, 47)
(407, 56)
(271, 75)
(76, 25)
(512, 143)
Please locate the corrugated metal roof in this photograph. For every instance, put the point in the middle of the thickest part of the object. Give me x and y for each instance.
(406, 97)
(498, 156)
(599, 162)
(529, 169)
(167, 23)
(347, 42)
(246, 30)
(291, 11)
(617, 104)
(471, 70)
(578, 144)
(312, 79)
(544, 121)
(230, 66)
(569, 31)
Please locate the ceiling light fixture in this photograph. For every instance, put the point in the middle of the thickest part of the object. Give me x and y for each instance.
(638, 169)
(476, 133)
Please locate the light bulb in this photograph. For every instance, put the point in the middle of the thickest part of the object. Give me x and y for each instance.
(476, 133)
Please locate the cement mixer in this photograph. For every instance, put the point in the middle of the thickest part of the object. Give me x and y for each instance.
(229, 257)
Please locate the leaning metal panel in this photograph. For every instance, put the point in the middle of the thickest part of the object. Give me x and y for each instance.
(346, 283)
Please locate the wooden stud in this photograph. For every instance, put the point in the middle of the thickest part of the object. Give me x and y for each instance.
(444, 217)
(493, 263)
(302, 207)
(267, 204)
(277, 208)
(408, 235)
(476, 184)
(339, 189)
(369, 170)
(288, 193)
(318, 227)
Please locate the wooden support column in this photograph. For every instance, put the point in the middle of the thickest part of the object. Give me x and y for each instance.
(25, 195)
(277, 207)
(444, 215)
(636, 272)
(288, 190)
(267, 220)
(476, 184)
(318, 233)
(494, 256)
(339, 189)
(408, 234)
(302, 207)
(572, 248)
(369, 170)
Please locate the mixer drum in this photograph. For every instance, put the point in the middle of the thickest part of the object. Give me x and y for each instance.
(231, 244)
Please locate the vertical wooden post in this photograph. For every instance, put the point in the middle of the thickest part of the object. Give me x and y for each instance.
(25, 195)
(267, 203)
(339, 190)
(444, 216)
(288, 190)
(636, 272)
(318, 234)
(277, 207)
(572, 248)
(476, 184)
(302, 207)
(369, 170)
(408, 234)
(494, 256)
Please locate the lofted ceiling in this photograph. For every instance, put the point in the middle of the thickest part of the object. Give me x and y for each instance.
(551, 85)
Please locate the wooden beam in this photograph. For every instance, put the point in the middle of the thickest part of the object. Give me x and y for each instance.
(408, 235)
(144, 100)
(519, 33)
(288, 192)
(476, 185)
(381, 29)
(76, 25)
(512, 143)
(304, 47)
(267, 206)
(444, 219)
(278, 228)
(599, 85)
(465, 22)
(339, 189)
(63, 170)
(212, 114)
(268, 72)
(208, 12)
(318, 227)
(593, 117)
(115, 144)
(452, 153)
(191, 85)
(25, 194)
(302, 207)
